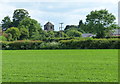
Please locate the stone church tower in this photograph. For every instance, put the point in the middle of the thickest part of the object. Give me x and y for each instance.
(49, 26)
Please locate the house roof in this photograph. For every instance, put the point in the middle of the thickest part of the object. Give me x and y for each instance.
(48, 23)
(116, 32)
(88, 35)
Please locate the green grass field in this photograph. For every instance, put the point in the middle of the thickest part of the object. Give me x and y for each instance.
(60, 65)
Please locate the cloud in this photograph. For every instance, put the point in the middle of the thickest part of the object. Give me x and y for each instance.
(101, 1)
(57, 11)
(6, 10)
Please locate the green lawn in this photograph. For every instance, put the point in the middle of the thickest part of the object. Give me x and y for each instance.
(60, 65)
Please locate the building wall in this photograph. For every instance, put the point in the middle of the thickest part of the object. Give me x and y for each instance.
(119, 13)
(49, 27)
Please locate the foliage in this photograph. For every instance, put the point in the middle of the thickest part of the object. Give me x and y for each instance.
(69, 27)
(91, 44)
(74, 33)
(6, 23)
(24, 33)
(60, 34)
(31, 25)
(19, 15)
(99, 22)
(50, 45)
(14, 32)
(83, 43)
(25, 45)
(2, 38)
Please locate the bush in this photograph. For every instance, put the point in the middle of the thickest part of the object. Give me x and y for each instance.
(50, 45)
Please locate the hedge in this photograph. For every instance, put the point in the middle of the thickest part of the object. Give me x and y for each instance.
(63, 44)
(21, 45)
(91, 44)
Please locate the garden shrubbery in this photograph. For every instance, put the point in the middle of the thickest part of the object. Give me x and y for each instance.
(63, 44)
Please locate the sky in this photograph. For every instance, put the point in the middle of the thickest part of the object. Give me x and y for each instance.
(68, 12)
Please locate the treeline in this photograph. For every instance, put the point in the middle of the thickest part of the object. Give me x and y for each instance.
(23, 27)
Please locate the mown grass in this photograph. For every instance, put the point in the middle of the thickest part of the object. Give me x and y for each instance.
(60, 65)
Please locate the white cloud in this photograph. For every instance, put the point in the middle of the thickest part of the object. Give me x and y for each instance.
(69, 17)
(101, 1)
(6, 10)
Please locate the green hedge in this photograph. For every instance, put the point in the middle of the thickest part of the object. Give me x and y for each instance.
(21, 45)
(91, 44)
(63, 44)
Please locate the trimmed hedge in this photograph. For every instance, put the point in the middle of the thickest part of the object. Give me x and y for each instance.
(63, 44)
(91, 44)
(21, 45)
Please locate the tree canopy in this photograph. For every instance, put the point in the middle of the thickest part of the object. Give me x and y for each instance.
(100, 21)
(19, 15)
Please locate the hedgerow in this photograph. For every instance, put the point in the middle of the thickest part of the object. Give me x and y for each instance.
(63, 44)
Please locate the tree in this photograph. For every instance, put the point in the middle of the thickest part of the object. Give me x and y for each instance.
(15, 33)
(24, 33)
(80, 23)
(19, 15)
(69, 27)
(74, 33)
(6, 23)
(60, 34)
(31, 25)
(9, 37)
(99, 21)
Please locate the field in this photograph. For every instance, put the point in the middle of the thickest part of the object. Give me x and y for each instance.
(60, 65)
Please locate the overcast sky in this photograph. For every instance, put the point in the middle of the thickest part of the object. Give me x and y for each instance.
(56, 11)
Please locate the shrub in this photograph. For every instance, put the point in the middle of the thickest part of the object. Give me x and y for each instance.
(50, 45)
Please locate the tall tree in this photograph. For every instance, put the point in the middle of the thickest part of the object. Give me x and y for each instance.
(31, 25)
(19, 15)
(6, 23)
(99, 22)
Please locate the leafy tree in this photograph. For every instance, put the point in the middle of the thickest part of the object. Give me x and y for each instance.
(36, 36)
(6, 23)
(19, 15)
(24, 33)
(69, 27)
(74, 33)
(99, 21)
(14, 32)
(31, 25)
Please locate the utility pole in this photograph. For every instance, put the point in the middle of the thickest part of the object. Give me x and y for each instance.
(60, 29)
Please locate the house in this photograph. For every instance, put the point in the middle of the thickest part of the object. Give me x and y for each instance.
(116, 32)
(49, 26)
(88, 35)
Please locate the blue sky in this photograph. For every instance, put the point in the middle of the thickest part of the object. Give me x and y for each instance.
(56, 11)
